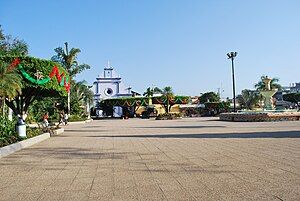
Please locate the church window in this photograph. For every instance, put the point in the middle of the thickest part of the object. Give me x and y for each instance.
(108, 91)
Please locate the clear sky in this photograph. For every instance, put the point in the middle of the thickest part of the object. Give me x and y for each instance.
(180, 43)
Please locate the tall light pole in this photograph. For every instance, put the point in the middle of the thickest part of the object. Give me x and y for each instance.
(68, 67)
(231, 56)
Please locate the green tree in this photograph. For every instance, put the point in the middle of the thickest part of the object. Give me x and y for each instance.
(82, 96)
(169, 95)
(149, 93)
(10, 83)
(248, 99)
(68, 59)
(41, 105)
(209, 97)
(32, 88)
(274, 83)
(10, 46)
(157, 90)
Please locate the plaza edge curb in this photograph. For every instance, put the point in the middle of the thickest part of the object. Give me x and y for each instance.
(9, 149)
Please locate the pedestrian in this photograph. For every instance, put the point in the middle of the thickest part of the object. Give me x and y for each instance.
(66, 117)
(61, 118)
(45, 119)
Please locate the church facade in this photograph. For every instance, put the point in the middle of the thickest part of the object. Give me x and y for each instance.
(110, 85)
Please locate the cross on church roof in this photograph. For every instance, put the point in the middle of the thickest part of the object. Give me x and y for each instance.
(108, 66)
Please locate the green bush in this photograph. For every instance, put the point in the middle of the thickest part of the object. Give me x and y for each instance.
(32, 132)
(8, 134)
(77, 118)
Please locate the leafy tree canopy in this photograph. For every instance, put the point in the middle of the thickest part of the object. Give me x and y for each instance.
(248, 99)
(209, 97)
(143, 101)
(12, 46)
(33, 65)
(167, 90)
(31, 90)
(157, 90)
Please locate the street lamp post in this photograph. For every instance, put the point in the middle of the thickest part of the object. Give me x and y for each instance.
(69, 95)
(231, 56)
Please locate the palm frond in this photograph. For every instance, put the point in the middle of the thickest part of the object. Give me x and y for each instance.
(10, 82)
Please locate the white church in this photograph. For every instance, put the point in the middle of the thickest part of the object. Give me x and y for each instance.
(109, 85)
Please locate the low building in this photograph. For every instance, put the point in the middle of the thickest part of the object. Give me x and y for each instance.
(293, 88)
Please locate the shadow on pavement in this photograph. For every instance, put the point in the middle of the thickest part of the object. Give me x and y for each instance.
(159, 127)
(92, 126)
(68, 153)
(83, 131)
(278, 134)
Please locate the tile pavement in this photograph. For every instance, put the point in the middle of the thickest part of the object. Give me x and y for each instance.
(186, 159)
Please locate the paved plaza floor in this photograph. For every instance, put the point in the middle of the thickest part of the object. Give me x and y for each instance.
(135, 159)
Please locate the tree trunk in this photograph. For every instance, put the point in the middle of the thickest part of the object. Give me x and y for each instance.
(69, 103)
(3, 108)
(20, 104)
(150, 101)
(168, 105)
(10, 114)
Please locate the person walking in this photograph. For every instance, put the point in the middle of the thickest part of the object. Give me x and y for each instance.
(66, 117)
(61, 118)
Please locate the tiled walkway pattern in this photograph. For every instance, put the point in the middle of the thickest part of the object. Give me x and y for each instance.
(187, 159)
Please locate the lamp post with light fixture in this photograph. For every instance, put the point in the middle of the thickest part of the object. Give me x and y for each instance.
(231, 56)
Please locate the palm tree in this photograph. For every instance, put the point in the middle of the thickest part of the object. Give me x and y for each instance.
(82, 94)
(149, 93)
(10, 83)
(68, 61)
(157, 90)
(168, 93)
(274, 83)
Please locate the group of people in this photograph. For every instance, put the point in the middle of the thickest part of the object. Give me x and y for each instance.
(63, 119)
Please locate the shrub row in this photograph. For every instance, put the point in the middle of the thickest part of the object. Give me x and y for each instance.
(8, 133)
(168, 116)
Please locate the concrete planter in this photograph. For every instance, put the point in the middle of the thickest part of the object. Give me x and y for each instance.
(4, 151)
(58, 131)
(260, 117)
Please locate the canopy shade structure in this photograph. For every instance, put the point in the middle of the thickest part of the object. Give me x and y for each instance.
(144, 101)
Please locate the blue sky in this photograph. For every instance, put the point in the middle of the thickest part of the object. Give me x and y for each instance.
(178, 43)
